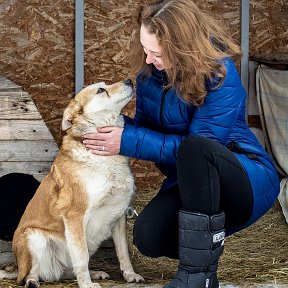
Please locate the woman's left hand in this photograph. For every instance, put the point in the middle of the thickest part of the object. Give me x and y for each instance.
(105, 141)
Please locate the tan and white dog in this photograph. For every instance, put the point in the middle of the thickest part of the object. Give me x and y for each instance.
(82, 201)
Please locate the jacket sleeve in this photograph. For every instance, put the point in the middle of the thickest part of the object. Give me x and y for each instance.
(146, 144)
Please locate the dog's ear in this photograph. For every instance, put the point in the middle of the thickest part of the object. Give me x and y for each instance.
(65, 125)
(69, 113)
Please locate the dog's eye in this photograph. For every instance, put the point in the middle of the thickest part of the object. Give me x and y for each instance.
(101, 90)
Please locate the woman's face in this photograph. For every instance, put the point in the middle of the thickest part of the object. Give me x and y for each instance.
(151, 48)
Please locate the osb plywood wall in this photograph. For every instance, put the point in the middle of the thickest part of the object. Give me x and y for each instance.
(37, 47)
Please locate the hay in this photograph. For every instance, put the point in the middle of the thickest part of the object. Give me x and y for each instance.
(258, 254)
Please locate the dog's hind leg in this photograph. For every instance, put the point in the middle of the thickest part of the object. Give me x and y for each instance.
(78, 250)
(32, 282)
(49, 258)
(27, 270)
(23, 259)
(32, 279)
(120, 239)
(30, 275)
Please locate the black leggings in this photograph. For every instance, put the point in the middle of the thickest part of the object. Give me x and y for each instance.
(210, 180)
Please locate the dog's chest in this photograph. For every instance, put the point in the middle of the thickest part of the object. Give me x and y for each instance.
(105, 181)
(109, 192)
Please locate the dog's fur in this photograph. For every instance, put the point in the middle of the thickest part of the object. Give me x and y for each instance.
(82, 201)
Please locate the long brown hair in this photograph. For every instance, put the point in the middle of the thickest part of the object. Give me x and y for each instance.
(192, 42)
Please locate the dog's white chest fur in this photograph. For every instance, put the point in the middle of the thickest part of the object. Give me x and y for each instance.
(109, 188)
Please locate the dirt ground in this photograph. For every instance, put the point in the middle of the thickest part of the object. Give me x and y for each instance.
(256, 255)
(115, 284)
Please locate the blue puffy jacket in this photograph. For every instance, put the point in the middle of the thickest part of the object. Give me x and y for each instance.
(162, 120)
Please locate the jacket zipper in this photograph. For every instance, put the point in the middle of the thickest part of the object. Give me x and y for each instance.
(162, 106)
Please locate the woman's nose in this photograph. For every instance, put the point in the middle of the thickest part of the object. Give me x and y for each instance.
(149, 58)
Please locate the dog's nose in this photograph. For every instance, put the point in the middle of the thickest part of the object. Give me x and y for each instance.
(128, 82)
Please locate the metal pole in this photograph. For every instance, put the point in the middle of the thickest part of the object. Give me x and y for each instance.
(245, 44)
(79, 45)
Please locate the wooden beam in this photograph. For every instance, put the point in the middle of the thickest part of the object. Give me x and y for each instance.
(79, 45)
(245, 43)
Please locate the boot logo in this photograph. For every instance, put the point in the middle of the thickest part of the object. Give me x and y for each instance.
(218, 237)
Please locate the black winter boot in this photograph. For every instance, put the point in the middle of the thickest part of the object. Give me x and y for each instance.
(201, 239)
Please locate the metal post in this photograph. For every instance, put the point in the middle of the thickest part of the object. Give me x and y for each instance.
(79, 45)
(245, 44)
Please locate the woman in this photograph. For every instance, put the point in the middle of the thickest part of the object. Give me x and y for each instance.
(190, 120)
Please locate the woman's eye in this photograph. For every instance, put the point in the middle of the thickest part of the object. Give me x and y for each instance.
(101, 90)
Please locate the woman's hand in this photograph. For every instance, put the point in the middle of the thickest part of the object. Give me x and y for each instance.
(106, 141)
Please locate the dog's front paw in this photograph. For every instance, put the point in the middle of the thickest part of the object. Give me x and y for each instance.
(132, 277)
(89, 285)
(32, 284)
(96, 275)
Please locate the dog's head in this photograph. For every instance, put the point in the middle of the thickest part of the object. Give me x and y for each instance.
(97, 105)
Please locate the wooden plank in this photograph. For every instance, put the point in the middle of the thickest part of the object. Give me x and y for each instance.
(5, 246)
(42, 150)
(7, 258)
(37, 169)
(17, 105)
(6, 254)
(24, 130)
(14, 94)
(7, 85)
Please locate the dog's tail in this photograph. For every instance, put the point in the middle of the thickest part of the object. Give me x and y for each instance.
(9, 275)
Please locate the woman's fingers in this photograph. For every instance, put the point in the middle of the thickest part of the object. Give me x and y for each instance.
(106, 141)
